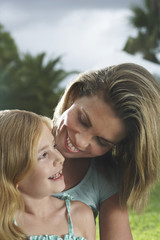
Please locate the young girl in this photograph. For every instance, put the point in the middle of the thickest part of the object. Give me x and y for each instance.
(30, 171)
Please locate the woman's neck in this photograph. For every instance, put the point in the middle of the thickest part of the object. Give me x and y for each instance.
(74, 171)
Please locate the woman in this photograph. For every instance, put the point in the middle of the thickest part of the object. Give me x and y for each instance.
(108, 130)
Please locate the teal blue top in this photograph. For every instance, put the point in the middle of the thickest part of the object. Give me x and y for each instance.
(94, 188)
(69, 236)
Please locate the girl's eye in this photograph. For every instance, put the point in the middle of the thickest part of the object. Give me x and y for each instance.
(55, 146)
(44, 155)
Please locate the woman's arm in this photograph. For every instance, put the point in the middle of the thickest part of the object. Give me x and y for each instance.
(114, 221)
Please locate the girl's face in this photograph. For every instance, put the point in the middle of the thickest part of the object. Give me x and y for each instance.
(89, 128)
(46, 177)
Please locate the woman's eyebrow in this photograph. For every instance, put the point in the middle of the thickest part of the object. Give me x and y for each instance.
(88, 119)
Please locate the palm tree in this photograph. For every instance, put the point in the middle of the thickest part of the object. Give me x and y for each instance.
(8, 49)
(8, 58)
(28, 82)
(147, 21)
(34, 84)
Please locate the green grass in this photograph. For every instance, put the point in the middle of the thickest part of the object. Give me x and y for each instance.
(145, 226)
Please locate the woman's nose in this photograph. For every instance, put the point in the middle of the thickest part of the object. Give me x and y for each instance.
(58, 158)
(82, 140)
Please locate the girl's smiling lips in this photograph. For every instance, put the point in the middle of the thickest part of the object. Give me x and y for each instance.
(56, 176)
(69, 146)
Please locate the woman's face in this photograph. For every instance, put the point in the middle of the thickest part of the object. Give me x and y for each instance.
(89, 128)
(46, 177)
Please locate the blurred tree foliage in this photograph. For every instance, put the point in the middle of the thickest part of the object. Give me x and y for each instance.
(28, 82)
(147, 22)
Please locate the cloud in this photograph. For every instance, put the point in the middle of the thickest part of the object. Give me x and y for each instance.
(52, 5)
(80, 36)
(85, 37)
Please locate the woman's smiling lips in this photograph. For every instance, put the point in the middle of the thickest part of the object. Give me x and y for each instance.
(70, 146)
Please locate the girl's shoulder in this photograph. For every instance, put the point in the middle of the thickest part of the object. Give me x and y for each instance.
(83, 220)
(76, 208)
(79, 209)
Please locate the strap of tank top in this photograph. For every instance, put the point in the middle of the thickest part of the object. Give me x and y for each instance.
(70, 225)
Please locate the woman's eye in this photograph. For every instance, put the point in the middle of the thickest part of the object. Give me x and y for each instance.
(102, 142)
(83, 121)
(44, 155)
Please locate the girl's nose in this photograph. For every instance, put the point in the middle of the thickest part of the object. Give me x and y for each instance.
(82, 140)
(58, 158)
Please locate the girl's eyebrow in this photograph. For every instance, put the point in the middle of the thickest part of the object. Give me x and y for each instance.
(42, 148)
(46, 146)
(90, 124)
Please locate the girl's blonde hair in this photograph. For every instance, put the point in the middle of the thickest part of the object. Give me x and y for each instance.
(134, 94)
(19, 135)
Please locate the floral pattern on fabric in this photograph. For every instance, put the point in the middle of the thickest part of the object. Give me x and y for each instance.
(54, 237)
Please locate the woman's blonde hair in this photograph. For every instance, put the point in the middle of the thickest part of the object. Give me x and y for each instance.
(19, 135)
(134, 94)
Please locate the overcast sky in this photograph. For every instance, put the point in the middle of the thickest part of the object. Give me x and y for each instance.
(87, 33)
(68, 4)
